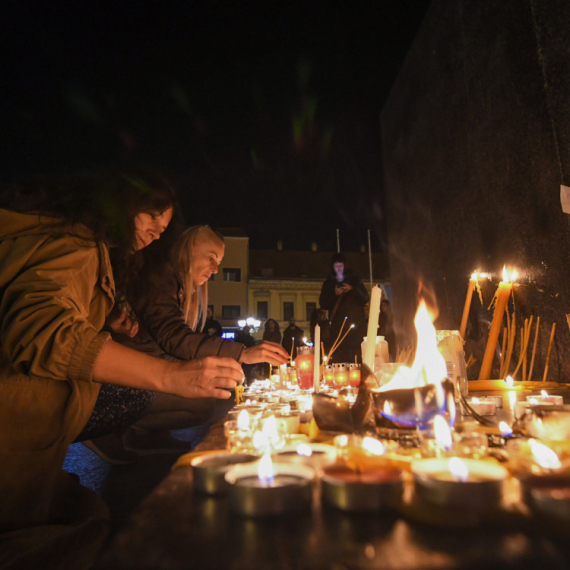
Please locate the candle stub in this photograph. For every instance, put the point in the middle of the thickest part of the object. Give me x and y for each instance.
(354, 490)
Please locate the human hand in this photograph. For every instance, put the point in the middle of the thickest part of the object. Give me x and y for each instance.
(344, 288)
(208, 377)
(124, 324)
(265, 351)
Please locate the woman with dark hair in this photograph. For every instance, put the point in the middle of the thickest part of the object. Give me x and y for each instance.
(271, 331)
(61, 376)
(344, 296)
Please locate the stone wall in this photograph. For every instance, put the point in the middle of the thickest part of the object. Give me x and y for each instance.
(476, 143)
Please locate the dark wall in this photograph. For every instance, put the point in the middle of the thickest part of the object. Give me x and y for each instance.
(476, 143)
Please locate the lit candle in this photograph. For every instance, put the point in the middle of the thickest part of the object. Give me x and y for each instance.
(209, 470)
(317, 369)
(354, 375)
(266, 488)
(501, 299)
(473, 283)
(454, 482)
(545, 399)
(354, 490)
(482, 406)
(373, 315)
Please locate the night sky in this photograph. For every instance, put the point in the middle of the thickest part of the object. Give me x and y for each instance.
(265, 115)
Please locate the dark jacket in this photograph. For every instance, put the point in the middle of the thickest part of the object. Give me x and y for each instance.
(292, 337)
(349, 304)
(162, 329)
(213, 324)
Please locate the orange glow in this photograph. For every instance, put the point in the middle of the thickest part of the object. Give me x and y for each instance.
(429, 365)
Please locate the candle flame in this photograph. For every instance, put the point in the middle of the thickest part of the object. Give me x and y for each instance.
(243, 421)
(265, 470)
(514, 275)
(304, 449)
(505, 429)
(544, 394)
(429, 365)
(342, 440)
(533, 401)
(509, 381)
(475, 276)
(475, 400)
(458, 469)
(442, 433)
(543, 455)
(373, 446)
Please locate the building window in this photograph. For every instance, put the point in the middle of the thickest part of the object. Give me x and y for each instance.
(231, 311)
(232, 274)
(288, 310)
(262, 310)
(309, 308)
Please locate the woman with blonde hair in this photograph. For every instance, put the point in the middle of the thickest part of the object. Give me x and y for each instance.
(170, 301)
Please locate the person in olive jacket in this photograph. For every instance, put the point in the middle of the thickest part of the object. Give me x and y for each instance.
(62, 375)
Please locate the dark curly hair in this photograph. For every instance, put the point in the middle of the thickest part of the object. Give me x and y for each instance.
(106, 203)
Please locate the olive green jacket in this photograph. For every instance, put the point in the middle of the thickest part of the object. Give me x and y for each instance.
(55, 292)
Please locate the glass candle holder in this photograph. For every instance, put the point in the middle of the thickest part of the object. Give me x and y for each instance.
(354, 374)
(329, 375)
(304, 363)
(340, 375)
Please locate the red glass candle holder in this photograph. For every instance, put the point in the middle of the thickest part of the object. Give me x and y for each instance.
(304, 364)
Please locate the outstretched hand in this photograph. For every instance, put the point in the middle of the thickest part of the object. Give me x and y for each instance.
(208, 377)
(265, 351)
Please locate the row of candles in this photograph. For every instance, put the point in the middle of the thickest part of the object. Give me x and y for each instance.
(269, 468)
(301, 373)
(501, 299)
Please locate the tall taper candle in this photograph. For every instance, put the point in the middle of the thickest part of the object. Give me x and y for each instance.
(502, 297)
(373, 315)
(465, 316)
(317, 349)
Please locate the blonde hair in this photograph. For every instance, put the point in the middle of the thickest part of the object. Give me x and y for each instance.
(195, 297)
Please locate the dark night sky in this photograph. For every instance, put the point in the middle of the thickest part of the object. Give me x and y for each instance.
(265, 114)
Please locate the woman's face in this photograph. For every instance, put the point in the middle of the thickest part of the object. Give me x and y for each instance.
(206, 257)
(149, 226)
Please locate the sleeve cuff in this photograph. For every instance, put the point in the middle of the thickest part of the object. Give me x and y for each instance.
(85, 354)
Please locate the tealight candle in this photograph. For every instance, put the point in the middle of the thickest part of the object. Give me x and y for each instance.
(482, 406)
(313, 454)
(209, 470)
(354, 490)
(265, 488)
(545, 399)
(454, 482)
(287, 423)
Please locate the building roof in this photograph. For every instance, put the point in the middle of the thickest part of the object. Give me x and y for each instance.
(279, 264)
